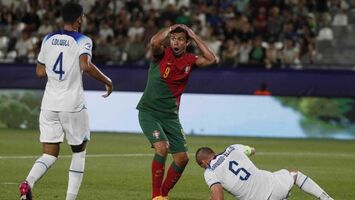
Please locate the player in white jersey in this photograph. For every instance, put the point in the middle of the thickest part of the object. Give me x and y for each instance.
(63, 57)
(233, 171)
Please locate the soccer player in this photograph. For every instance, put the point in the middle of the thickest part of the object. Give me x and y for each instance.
(233, 171)
(64, 55)
(158, 108)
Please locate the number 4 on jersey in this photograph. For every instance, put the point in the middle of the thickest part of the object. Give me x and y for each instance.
(59, 64)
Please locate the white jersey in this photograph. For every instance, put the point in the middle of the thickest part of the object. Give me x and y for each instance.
(238, 175)
(60, 52)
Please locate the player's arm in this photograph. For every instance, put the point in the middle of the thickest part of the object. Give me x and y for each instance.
(217, 192)
(41, 70)
(88, 67)
(207, 57)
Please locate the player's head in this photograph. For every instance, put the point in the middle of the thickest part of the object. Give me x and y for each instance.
(179, 40)
(203, 156)
(72, 13)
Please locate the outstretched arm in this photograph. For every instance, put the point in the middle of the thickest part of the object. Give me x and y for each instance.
(87, 66)
(217, 192)
(208, 57)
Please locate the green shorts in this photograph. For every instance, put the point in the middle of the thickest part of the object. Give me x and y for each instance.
(163, 129)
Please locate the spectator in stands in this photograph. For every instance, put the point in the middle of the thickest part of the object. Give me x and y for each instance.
(184, 16)
(229, 53)
(257, 54)
(340, 18)
(105, 31)
(136, 31)
(272, 59)
(45, 27)
(23, 47)
(299, 20)
(290, 54)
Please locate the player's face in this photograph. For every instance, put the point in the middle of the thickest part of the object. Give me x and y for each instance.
(178, 43)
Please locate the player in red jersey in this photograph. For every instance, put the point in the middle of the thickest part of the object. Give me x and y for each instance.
(168, 74)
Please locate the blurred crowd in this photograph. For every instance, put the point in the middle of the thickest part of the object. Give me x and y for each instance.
(259, 33)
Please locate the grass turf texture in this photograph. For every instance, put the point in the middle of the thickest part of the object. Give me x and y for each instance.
(118, 166)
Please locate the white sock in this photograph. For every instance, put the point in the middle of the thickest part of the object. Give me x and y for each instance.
(40, 167)
(76, 172)
(308, 185)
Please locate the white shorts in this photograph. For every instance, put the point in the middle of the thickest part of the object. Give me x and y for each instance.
(282, 184)
(53, 125)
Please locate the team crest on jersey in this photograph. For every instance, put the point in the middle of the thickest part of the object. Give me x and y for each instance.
(156, 134)
(187, 69)
(88, 46)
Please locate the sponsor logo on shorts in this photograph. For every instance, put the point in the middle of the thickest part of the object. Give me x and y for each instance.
(156, 134)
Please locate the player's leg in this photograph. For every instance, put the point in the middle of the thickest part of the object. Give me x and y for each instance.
(309, 186)
(282, 183)
(178, 149)
(51, 136)
(76, 127)
(156, 136)
(76, 170)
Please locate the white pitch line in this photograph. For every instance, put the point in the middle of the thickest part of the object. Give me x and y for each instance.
(325, 154)
(88, 155)
(9, 183)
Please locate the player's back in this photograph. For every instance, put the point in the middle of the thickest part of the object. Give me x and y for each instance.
(238, 175)
(60, 52)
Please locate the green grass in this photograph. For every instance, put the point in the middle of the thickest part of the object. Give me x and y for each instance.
(331, 163)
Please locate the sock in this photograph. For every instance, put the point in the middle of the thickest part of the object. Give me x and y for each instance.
(308, 185)
(172, 177)
(76, 172)
(158, 167)
(39, 168)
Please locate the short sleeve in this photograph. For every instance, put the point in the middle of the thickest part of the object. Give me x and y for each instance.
(193, 59)
(85, 46)
(243, 149)
(210, 177)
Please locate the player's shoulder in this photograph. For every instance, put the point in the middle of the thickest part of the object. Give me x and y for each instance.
(191, 57)
(49, 35)
(78, 37)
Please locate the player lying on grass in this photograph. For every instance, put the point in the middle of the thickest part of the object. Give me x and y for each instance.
(233, 171)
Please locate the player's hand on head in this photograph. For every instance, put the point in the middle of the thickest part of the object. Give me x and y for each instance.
(174, 26)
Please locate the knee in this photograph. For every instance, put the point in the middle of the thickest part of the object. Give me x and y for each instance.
(182, 159)
(161, 148)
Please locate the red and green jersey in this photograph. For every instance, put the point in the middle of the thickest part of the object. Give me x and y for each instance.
(167, 79)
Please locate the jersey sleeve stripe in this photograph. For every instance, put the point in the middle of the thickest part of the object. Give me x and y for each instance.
(85, 54)
(214, 184)
(40, 62)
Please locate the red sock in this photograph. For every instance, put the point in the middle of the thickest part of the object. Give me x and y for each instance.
(158, 166)
(172, 177)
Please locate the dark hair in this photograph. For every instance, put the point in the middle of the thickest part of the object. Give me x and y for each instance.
(180, 30)
(71, 11)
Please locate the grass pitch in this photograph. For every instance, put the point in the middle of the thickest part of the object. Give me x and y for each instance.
(118, 166)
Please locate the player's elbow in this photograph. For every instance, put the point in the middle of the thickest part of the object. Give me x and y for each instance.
(41, 74)
(212, 60)
(86, 66)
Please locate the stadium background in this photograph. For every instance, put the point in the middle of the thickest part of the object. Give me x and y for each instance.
(299, 52)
